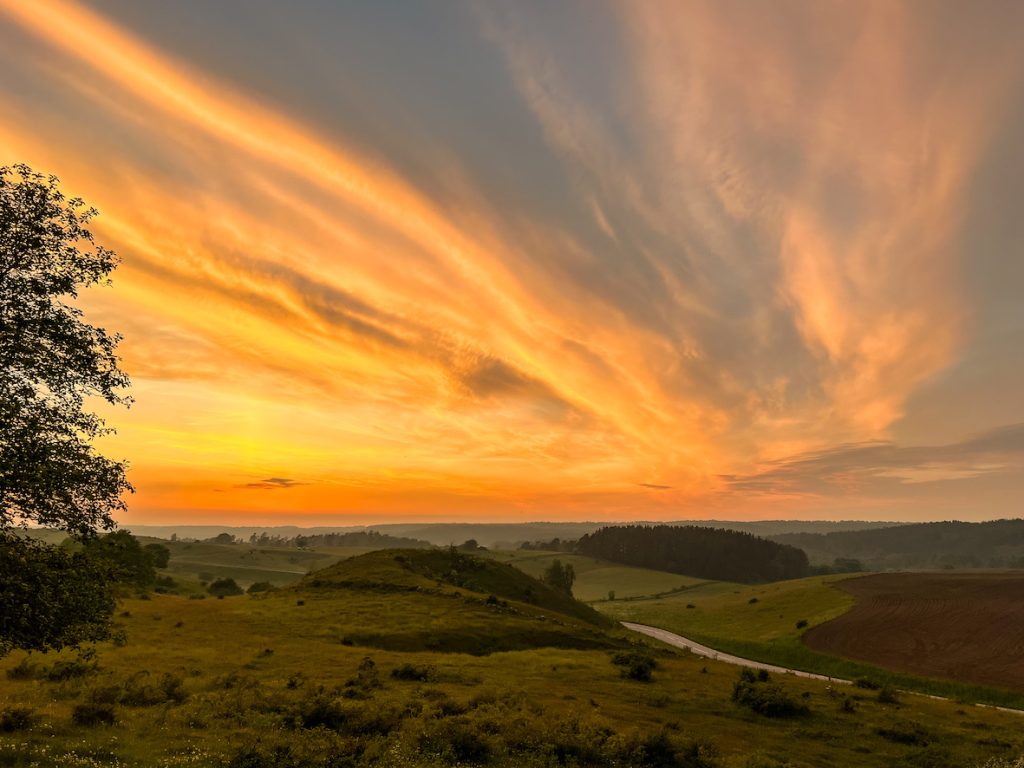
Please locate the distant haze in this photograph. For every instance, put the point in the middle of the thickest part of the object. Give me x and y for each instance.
(394, 261)
(496, 534)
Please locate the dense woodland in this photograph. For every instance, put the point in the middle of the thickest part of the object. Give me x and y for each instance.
(706, 553)
(995, 544)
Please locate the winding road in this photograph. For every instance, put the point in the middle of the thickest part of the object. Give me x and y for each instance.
(702, 650)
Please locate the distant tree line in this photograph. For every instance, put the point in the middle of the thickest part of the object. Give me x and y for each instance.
(707, 553)
(372, 539)
(949, 544)
(554, 545)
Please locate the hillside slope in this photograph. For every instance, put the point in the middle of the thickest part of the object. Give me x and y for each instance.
(444, 600)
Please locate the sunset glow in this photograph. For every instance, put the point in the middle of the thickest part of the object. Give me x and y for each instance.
(594, 262)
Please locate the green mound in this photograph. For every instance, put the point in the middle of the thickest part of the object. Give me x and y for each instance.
(446, 571)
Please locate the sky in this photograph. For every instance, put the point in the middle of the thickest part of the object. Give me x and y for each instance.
(584, 260)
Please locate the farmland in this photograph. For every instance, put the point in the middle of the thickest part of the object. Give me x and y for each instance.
(963, 626)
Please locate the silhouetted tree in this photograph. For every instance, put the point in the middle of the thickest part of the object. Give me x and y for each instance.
(51, 360)
(560, 577)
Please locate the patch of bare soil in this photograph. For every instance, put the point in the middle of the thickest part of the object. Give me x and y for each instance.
(967, 627)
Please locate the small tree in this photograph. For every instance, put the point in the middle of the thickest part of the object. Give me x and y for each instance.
(560, 577)
(50, 362)
(224, 588)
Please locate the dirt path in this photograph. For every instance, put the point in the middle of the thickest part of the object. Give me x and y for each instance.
(702, 650)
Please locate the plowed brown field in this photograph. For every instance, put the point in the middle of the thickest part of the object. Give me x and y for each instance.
(967, 627)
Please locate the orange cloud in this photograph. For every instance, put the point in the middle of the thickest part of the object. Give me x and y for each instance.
(769, 265)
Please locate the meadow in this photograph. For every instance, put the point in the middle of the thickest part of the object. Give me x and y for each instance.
(597, 580)
(406, 659)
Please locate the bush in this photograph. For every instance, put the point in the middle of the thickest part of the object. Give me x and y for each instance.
(887, 696)
(261, 586)
(319, 711)
(911, 734)
(410, 672)
(93, 713)
(866, 683)
(66, 670)
(24, 670)
(801, 624)
(636, 665)
(17, 719)
(222, 588)
(455, 741)
(765, 698)
(658, 751)
(139, 692)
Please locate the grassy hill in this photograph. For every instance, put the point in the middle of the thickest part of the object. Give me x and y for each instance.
(357, 670)
(448, 575)
(596, 578)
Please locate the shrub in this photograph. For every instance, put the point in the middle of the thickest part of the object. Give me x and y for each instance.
(765, 698)
(24, 670)
(887, 696)
(319, 711)
(17, 719)
(866, 683)
(140, 692)
(261, 586)
(753, 600)
(66, 670)
(455, 741)
(801, 624)
(222, 588)
(905, 733)
(636, 665)
(659, 751)
(410, 672)
(92, 713)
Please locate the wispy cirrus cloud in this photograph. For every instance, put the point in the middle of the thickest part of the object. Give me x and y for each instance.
(730, 239)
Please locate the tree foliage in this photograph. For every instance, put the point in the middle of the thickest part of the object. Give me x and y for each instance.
(226, 587)
(51, 363)
(51, 597)
(127, 560)
(560, 577)
(707, 553)
(51, 360)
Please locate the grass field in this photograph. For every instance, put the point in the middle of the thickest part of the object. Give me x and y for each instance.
(313, 676)
(596, 578)
(761, 623)
(246, 564)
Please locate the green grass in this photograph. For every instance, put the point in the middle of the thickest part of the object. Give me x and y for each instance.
(252, 670)
(596, 578)
(724, 618)
(246, 564)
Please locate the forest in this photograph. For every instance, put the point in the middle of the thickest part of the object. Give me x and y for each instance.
(706, 553)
